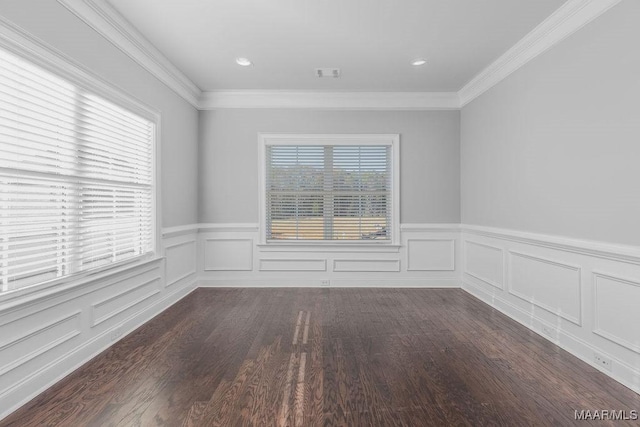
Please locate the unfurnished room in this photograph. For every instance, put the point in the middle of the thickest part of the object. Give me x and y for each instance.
(319, 213)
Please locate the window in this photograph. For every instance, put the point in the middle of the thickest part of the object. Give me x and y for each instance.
(329, 188)
(76, 178)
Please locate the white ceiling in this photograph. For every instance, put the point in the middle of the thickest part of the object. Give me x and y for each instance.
(372, 41)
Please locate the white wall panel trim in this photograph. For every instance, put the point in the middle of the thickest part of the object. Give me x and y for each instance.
(536, 301)
(50, 373)
(624, 373)
(96, 320)
(614, 252)
(75, 289)
(170, 281)
(293, 264)
(366, 265)
(431, 261)
(43, 349)
(597, 327)
(179, 230)
(480, 276)
(286, 281)
(238, 254)
(329, 248)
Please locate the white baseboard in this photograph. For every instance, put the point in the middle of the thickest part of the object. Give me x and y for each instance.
(58, 369)
(509, 270)
(284, 282)
(622, 372)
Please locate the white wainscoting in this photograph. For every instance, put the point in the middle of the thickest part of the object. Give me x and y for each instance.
(47, 335)
(231, 256)
(583, 296)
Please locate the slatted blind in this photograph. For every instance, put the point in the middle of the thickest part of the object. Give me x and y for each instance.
(328, 192)
(75, 178)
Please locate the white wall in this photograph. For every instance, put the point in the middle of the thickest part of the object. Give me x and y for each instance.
(552, 151)
(429, 157)
(429, 198)
(554, 147)
(549, 150)
(63, 31)
(44, 335)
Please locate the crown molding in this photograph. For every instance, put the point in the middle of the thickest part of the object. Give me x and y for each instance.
(567, 19)
(104, 19)
(21, 42)
(329, 100)
(108, 22)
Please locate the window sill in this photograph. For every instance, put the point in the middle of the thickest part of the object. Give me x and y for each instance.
(56, 288)
(329, 247)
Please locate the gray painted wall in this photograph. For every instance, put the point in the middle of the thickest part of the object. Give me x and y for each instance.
(64, 31)
(555, 147)
(429, 158)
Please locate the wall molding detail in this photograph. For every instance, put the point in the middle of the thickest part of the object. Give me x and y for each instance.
(558, 287)
(625, 373)
(609, 323)
(479, 275)
(536, 300)
(567, 19)
(48, 333)
(328, 264)
(431, 256)
(292, 264)
(614, 252)
(108, 22)
(324, 100)
(282, 281)
(598, 328)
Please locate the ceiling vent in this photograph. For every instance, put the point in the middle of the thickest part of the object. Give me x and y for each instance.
(328, 72)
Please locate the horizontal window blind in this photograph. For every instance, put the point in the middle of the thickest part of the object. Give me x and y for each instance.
(328, 192)
(76, 186)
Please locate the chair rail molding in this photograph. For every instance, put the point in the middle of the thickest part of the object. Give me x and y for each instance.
(579, 294)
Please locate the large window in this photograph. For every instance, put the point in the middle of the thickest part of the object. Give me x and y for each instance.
(76, 178)
(329, 187)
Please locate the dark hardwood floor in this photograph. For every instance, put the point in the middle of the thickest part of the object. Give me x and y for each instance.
(305, 357)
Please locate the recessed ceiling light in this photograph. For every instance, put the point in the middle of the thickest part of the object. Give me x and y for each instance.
(418, 62)
(243, 61)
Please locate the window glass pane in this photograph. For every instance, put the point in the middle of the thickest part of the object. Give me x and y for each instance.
(75, 178)
(328, 192)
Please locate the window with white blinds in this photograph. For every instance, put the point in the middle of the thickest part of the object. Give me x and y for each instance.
(76, 178)
(329, 191)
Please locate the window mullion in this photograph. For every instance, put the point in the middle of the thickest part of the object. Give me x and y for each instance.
(329, 193)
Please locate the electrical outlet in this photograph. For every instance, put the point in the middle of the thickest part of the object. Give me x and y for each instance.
(325, 282)
(602, 361)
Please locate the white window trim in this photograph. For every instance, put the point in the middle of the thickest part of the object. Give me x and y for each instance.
(392, 140)
(27, 46)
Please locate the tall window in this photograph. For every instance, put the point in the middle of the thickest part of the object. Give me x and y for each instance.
(76, 186)
(329, 188)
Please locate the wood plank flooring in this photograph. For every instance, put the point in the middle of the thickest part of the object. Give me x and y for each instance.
(329, 357)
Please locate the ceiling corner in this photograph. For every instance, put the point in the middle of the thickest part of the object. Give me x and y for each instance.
(109, 23)
(567, 19)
